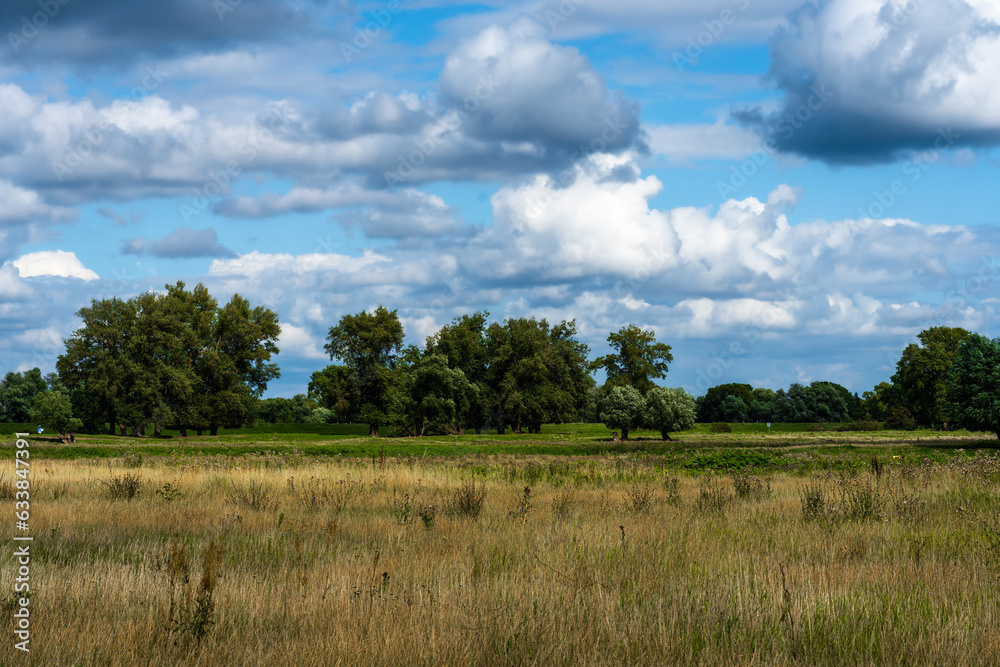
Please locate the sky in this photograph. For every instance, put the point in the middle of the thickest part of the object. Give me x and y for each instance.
(782, 191)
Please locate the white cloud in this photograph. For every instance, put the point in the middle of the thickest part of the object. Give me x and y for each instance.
(298, 342)
(53, 263)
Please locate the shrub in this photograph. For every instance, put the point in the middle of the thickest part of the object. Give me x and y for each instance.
(125, 487)
(749, 486)
(814, 501)
(712, 498)
(899, 419)
(672, 485)
(467, 500)
(638, 498)
(721, 427)
(255, 496)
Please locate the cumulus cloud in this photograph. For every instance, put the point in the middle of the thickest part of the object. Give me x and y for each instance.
(180, 243)
(58, 263)
(865, 80)
(519, 87)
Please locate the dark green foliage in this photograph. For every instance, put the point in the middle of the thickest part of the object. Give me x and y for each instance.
(877, 403)
(974, 385)
(18, 392)
(53, 410)
(295, 410)
(463, 343)
(170, 359)
(637, 359)
(823, 402)
(900, 419)
(333, 388)
(922, 374)
(369, 345)
(710, 405)
(436, 397)
(536, 374)
(720, 427)
(734, 410)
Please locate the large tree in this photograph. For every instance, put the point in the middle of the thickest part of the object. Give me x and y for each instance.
(17, 392)
(710, 405)
(54, 410)
(369, 345)
(436, 396)
(623, 409)
(637, 359)
(463, 343)
(974, 385)
(173, 358)
(922, 374)
(536, 374)
(669, 410)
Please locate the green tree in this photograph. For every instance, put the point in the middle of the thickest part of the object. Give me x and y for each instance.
(922, 374)
(369, 345)
(733, 410)
(236, 365)
(463, 343)
(18, 392)
(623, 409)
(535, 374)
(53, 409)
(637, 359)
(817, 402)
(171, 358)
(96, 362)
(974, 385)
(762, 405)
(333, 388)
(669, 410)
(877, 403)
(437, 396)
(710, 405)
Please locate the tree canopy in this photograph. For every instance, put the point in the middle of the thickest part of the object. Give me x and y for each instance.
(922, 373)
(170, 359)
(974, 385)
(637, 359)
(369, 345)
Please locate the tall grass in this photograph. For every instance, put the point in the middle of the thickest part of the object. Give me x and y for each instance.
(596, 562)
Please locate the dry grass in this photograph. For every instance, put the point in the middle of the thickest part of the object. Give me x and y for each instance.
(598, 562)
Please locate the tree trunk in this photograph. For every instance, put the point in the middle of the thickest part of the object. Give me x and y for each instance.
(373, 430)
(624, 434)
(501, 430)
(124, 429)
(111, 427)
(215, 429)
(201, 431)
(184, 432)
(666, 436)
(479, 430)
(158, 430)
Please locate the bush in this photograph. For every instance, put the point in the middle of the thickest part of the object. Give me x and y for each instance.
(861, 425)
(125, 487)
(467, 501)
(749, 486)
(899, 419)
(721, 427)
(255, 495)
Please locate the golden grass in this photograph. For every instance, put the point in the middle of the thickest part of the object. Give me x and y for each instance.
(354, 564)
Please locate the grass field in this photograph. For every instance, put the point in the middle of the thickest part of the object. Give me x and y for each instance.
(799, 548)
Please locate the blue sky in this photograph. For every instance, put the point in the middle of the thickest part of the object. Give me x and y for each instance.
(783, 191)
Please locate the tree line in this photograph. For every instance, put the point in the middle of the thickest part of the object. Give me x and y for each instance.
(181, 361)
